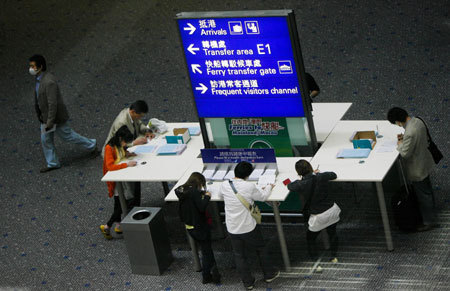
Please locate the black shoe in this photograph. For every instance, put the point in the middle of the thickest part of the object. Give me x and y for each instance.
(273, 277)
(207, 279)
(48, 169)
(426, 227)
(216, 279)
(251, 286)
(94, 153)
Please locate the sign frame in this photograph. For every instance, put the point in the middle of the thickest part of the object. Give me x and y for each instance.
(297, 55)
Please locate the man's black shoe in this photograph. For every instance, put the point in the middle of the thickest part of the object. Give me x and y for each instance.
(216, 279)
(47, 169)
(94, 153)
(273, 277)
(207, 279)
(426, 227)
(251, 286)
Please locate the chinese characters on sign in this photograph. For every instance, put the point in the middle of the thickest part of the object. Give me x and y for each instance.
(242, 67)
(254, 126)
(238, 155)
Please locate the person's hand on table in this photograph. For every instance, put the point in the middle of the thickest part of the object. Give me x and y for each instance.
(128, 154)
(399, 138)
(207, 193)
(131, 163)
(316, 171)
(140, 140)
(270, 185)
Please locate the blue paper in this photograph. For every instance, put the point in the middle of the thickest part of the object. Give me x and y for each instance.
(171, 149)
(194, 130)
(144, 149)
(353, 153)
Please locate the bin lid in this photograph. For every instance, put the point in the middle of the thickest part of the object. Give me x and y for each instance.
(141, 215)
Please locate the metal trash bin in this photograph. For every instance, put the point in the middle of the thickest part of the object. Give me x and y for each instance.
(147, 241)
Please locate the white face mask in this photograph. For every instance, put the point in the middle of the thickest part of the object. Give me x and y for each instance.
(33, 72)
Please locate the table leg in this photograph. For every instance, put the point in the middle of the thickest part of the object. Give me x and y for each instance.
(123, 201)
(284, 251)
(197, 265)
(215, 215)
(166, 188)
(384, 216)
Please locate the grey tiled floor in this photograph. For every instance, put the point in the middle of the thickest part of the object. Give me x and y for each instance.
(106, 54)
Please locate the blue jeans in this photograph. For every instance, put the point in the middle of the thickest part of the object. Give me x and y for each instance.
(67, 134)
(424, 193)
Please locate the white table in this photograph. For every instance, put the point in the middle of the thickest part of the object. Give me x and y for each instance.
(172, 168)
(326, 116)
(286, 169)
(158, 168)
(373, 169)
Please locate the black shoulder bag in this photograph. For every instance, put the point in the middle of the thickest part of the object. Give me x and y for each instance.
(432, 147)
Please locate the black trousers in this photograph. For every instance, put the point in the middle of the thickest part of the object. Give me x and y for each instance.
(311, 237)
(117, 214)
(208, 261)
(424, 193)
(244, 243)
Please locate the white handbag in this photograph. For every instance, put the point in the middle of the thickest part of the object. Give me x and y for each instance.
(157, 126)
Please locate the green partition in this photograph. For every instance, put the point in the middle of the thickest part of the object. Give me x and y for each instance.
(291, 204)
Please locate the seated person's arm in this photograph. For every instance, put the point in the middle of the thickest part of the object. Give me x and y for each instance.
(109, 158)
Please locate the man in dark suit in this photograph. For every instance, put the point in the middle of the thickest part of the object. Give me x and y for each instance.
(52, 114)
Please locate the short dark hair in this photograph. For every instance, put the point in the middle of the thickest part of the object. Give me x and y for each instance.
(243, 170)
(196, 180)
(40, 61)
(139, 106)
(122, 133)
(397, 114)
(303, 167)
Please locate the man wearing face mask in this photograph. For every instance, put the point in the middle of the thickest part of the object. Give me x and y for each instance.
(53, 115)
(413, 148)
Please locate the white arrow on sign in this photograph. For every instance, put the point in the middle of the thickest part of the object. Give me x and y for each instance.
(191, 28)
(196, 67)
(192, 49)
(202, 87)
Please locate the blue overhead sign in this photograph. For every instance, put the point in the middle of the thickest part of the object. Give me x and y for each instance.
(242, 66)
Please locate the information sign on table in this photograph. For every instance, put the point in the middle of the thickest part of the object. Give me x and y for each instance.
(243, 64)
(218, 156)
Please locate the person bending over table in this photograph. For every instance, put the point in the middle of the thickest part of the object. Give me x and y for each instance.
(245, 233)
(419, 163)
(319, 211)
(131, 118)
(193, 200)
(114, 154)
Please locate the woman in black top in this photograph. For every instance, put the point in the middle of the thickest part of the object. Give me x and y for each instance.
(313, 191)
(193, 202)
